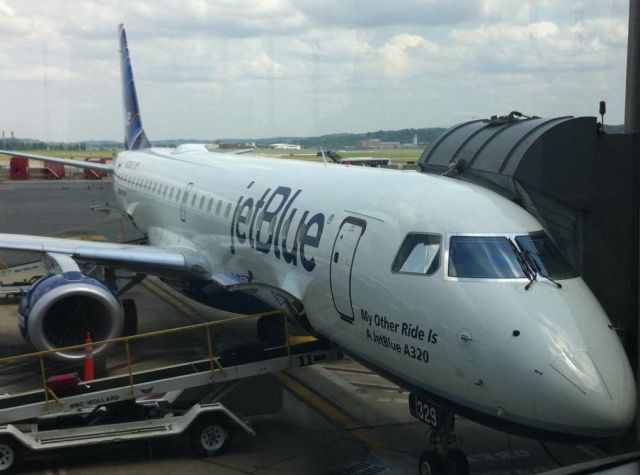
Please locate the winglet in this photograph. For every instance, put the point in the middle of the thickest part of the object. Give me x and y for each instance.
(134, 135)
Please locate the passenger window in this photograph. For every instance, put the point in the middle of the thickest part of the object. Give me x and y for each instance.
(419, 254)
(228, 210)
(209, 205)
(193, 200)
(201, 201)
(178, 195)
(219, 207)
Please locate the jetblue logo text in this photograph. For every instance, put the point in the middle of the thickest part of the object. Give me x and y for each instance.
(274, 223)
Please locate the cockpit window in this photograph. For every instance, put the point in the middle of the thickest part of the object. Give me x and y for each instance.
(419, 254)
(484, 257)
(545, 256)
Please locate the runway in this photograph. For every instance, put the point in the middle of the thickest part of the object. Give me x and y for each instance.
(338, 418)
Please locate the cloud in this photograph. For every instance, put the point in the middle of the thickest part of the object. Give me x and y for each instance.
(11, 23)
(260, 65)
(400, 56)
(268, 67)
(609, 31)
(539, 46)
(222, 18)
(380, 13)
(40, 74)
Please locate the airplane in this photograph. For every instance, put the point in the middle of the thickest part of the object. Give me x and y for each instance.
(442, 286)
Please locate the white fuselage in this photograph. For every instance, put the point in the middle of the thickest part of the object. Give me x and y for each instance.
(544, 359)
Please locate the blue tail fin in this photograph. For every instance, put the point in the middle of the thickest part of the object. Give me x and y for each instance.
(134, 136)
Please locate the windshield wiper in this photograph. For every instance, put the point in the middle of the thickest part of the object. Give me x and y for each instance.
(528, 254)
(528, 269)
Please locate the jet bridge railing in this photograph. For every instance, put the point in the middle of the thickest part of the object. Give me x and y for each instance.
(125, 342)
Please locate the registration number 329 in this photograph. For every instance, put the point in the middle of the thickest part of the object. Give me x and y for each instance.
(424, 411)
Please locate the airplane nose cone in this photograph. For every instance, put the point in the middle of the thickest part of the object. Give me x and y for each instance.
(587, 394)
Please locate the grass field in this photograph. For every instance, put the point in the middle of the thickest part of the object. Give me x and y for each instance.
(401, 155)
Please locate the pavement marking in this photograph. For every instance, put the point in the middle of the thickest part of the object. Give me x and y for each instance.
(366, 372)
(85, 227)
(384, 387)
(88, 237)
(349, 370)
(335, 414)
(167, 297)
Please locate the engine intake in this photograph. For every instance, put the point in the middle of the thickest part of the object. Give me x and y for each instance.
(58, 310)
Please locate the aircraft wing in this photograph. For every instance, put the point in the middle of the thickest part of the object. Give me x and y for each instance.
(103, 167)
(138, 258)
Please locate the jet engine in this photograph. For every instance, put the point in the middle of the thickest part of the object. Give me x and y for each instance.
(59, 309)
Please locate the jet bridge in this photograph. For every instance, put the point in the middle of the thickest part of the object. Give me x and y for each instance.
(580, 182)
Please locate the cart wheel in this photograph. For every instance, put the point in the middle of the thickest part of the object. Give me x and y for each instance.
(456, 462)
(10, 455)
(211, 435)
(430, 464)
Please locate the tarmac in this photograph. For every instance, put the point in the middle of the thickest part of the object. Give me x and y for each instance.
(337, 418)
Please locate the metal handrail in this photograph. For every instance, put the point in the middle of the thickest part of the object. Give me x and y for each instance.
(213, 360)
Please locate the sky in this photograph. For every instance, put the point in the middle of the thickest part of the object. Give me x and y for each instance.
(263, 68)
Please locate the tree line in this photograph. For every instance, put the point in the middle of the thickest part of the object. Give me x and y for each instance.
(19, 144)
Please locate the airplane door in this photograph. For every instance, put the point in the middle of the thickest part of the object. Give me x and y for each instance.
(341, 267)
(183, 202)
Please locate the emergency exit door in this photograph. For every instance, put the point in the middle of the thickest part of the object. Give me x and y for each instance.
(342, 259)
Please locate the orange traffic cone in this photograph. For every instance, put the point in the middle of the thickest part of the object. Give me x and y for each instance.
(88, 359)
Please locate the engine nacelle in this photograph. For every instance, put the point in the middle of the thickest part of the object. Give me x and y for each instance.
(58, 310)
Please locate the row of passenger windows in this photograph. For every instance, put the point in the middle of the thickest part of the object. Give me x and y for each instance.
(175, 193)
